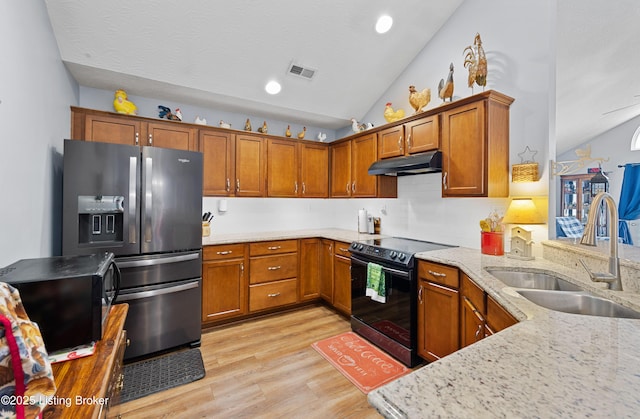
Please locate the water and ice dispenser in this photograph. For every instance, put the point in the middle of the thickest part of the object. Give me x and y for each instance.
(100, 219)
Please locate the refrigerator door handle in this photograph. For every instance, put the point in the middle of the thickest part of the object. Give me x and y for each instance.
(159, 261)
(148, 198)
(133, 199)
(160, 291)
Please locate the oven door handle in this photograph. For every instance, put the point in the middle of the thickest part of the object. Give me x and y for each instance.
(402, 274)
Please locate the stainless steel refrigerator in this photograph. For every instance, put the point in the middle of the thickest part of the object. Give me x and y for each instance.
(144, 204)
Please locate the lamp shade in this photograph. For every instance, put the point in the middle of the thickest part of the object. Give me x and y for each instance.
(522, 211)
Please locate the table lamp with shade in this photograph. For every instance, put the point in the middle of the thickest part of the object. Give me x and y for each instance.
(522, 211)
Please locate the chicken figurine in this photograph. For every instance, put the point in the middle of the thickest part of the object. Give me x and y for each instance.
(263, 129)
(287, 133)
(165, 112)
(390, 115)
(445, 89)
(302, 133)
(247, 125)
(122, 105)
(476, 62)
(419, 100)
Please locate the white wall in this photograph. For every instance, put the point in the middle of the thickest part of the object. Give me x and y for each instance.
(148, 107)
(35, 95)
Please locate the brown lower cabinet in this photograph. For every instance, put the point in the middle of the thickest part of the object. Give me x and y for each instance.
(342, 278)
(224, 282)
(453, 311)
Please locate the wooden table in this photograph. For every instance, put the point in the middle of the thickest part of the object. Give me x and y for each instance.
(88, 387)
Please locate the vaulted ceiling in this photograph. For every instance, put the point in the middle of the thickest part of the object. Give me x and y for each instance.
(221, 54)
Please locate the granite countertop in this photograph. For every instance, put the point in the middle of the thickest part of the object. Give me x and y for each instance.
(551, 364)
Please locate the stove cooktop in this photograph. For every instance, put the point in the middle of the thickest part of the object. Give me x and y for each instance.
(395, 249)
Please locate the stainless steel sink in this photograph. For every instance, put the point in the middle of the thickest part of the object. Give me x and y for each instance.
(578, 303)
(533, 280)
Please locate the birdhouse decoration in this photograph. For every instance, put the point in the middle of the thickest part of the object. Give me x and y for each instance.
(522, 211)
(527, 170)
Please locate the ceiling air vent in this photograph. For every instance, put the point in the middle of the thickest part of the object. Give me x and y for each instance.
(300, 71)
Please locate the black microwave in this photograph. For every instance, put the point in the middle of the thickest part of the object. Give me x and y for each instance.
(69, 297)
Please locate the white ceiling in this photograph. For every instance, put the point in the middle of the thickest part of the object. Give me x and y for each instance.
(221, 54)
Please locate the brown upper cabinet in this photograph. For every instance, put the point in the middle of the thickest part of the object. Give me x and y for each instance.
(90, 125)
(297, 169)
(475, 146)
(412, 137)
(350, 161)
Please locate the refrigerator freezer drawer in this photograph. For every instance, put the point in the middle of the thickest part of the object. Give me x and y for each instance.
(162, 317)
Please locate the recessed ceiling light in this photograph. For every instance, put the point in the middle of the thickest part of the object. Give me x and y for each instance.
(273, 87)
(384, 23)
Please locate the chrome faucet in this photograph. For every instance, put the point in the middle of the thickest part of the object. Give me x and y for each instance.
(589, 238)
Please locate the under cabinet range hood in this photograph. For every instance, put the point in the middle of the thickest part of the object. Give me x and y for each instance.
(414, 164)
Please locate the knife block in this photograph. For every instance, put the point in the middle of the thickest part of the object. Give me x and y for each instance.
(206, 229)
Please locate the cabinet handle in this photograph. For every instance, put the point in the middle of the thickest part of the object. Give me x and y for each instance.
(342, 249)
(150, 139)
(420, 294)
(228, 185)
(304, 188)
(437, 274)
(348, 184)
(409, 142)
(137, 138)
(478, 332)
(224, 252)
(242, 269)
(237, 185)
(273, 268)
(275, 294)
(400, 144)
(444, 180)
(295, 187)
(274, 247)
(353, 187)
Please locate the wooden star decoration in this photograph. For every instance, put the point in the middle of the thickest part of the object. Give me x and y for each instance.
(527, 155)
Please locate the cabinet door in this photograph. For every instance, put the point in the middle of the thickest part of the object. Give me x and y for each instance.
(342, 284)
(422, 135)
(282, 168)
(170, 135)
(438, 320)
(224, 289)
(326, 271)
(108, 129)
(341, 170)
(391, 142)
(472, 324)
(250, 166)
(364, 153)
(218, 152)
(309, 269)
(464, 151)
(314, 170)
(497, 317)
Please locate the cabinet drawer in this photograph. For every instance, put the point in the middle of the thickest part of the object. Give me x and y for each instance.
(342, 249)
(273, 247)
(272, 294)
(272, 268)
(440, 274)
(474, 293)
(223, 251)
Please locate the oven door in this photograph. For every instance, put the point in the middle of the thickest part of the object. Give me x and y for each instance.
(395, 318)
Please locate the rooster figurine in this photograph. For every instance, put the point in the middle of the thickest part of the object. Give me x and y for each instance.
(122, 105)
(445, 90)
(419, 100)
(165, 112)
(476, 61)
(390, 115)
(302, 133)
(263, 129)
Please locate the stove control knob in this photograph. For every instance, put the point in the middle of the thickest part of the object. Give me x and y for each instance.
(402, 256)
(354, 245)
(360, 246)
(393, 254)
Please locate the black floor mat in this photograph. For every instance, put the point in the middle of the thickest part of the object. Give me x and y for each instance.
(161, 373)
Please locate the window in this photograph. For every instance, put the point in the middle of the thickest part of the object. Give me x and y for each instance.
(635, 140)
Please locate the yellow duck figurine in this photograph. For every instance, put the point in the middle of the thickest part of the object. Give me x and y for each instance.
(122, 105)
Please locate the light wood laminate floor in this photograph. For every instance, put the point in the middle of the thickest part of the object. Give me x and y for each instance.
(264, 368)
